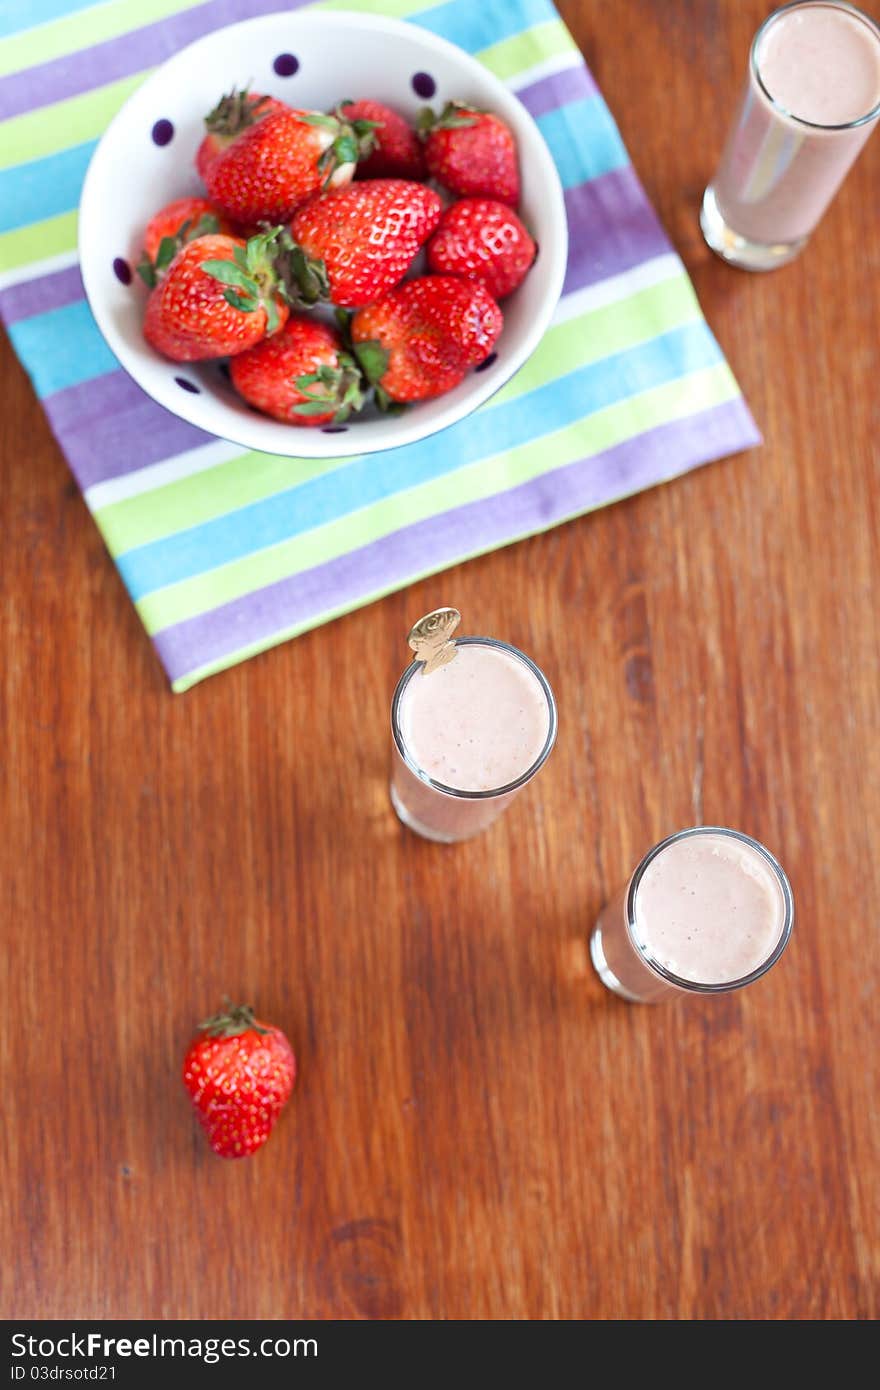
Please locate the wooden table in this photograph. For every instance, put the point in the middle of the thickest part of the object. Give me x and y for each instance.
(479, 1130)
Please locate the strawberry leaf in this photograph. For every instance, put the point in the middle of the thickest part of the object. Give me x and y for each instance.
(146, 270)
(228, 274)
(373, 359)
(318, 406)
(168, 249)
(246, 303)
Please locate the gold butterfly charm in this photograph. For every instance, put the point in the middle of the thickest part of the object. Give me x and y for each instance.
(431, 638)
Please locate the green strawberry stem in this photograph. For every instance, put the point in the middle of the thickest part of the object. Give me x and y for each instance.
(339, 389)
(253, 278)
(352, 140)
(233, 1020)
(169, 246)
(456, 115)
(234, 112)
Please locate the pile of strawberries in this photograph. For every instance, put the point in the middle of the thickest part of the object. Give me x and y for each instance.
(305, 208)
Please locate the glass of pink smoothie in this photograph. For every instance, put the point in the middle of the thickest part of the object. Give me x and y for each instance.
(811, 99)
(707, 910)
(467, 737)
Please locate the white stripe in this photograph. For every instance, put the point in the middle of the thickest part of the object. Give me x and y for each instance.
(548, 67)
(616, 287)
(159, 474)
(34, 269)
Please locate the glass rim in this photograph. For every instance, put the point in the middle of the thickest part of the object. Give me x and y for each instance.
(459, 792)
(754, 66)
(722, 986)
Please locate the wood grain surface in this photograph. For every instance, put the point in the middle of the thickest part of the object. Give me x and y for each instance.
(479, 1129)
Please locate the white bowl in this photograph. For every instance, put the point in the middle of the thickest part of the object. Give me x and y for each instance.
(340, 55)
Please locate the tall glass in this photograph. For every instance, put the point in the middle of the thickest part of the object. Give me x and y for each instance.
(519, 741)
(810, 101)
(708, 910)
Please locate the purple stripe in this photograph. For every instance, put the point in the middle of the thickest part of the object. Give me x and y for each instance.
(611, 228)
(39, 295)
(108, 427)
(572, 84)
(394, 561)
(125, 55)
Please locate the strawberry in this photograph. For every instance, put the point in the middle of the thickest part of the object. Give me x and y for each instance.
(302, 375)
(419, 340)
(172, 227)
(232, 114)
(280, 161)
(471, 152)
(396, 151)
(219, 296)
(482, 240)
(239, 1074)
(365, 238)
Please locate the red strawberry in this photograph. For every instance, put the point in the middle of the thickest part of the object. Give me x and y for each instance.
(471, 152)
(239, 1074)
(279, 162)
(172, 227)
(482, 240)
(232, 114)
(421, 338)
(365, 236)
(302, 375)
(396, 149)
(219, 296)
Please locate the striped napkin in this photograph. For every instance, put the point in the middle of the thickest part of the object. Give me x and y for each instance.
(226, 553)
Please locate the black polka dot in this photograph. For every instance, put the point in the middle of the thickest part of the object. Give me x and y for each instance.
(122, 271)
(162, 132)
(334, 429)
(424, 85)
(493, 357)
(187, 385)
(286, 65)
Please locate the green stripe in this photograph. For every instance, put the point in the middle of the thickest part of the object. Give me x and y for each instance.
(82, 30)
(699, 391)
(390, 9)
(38, 240)
(715, 385)
(187, 502)
(525, 50)
(66, 123)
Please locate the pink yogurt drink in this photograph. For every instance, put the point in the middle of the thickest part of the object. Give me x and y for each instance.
(467, 737)
(706, 911)
(811, 99)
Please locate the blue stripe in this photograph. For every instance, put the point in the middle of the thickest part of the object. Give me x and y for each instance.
(24, 14)
(584, 141)
(370, 479)
(483, 23)
(62, 348)
(44, 187)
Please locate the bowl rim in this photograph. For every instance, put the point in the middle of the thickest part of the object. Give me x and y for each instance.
(402, 430)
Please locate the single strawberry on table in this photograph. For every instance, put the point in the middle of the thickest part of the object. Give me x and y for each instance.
(218, 296)
(233, 113)
(471, 152)
(482, 239)
(171, 228)
(419, 340)
(303, 375)
(396, 150)
(239, 1073)
(360, 241)
(271, 166)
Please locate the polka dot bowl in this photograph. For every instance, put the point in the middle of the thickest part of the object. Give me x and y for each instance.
(310, 59)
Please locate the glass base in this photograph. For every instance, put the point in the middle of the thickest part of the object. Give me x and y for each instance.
(604, 971)
(416, 826)
(739, 250)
